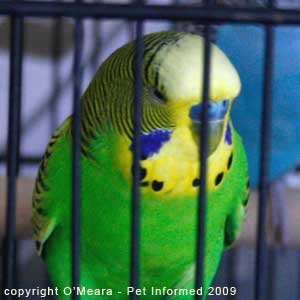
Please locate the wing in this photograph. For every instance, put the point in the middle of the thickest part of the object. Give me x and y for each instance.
(234, 223)
(43, 214)
(235, 219)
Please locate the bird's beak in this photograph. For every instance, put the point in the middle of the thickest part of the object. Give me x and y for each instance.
(216, 115)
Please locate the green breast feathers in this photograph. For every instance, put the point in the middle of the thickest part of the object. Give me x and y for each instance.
(169, 182)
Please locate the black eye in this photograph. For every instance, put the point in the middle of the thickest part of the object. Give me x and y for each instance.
(159, 96)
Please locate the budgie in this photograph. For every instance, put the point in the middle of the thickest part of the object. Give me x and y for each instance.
(169, 169)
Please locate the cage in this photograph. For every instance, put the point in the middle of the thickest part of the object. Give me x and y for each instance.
(50, 51)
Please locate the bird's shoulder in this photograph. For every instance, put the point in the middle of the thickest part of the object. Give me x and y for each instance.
(51, 166)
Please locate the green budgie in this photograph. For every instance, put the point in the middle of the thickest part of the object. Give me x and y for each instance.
(169, 181)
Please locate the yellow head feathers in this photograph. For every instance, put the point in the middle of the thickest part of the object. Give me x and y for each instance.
(173, 83)
(180, 68)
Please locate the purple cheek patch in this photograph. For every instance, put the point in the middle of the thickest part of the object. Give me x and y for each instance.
(152, 142)
(228, 136)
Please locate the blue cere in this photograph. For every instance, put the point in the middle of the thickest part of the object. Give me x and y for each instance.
(152, 142)
(216, 111)
(228, 136)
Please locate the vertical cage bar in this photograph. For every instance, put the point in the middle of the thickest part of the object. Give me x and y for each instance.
(231, 263)
(203, 146)
(97, 46)
(137, 114)
(56, 50)
(15, 86)
(261, 245)
(76, 168)
(298, 275)
(272, 271)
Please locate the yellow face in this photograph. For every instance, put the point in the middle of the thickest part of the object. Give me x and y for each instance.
(176, 82)
(180, 76)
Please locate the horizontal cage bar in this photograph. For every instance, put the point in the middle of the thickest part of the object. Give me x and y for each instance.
(154, 12)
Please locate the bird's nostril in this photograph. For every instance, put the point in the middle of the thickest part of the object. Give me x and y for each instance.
(216, 110)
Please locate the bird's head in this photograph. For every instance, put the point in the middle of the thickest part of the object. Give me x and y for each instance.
(172, 85)
(174, 77)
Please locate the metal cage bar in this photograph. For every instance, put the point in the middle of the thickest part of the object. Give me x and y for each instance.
(27, 160)
(15, 87)
(76, 167)
(137, 120)
(261, 246)
(56, 51)
(203, 154)
(151, 12)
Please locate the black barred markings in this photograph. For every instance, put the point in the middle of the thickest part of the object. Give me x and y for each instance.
(229, 163)
(143, 172)
(245, 202)
(220, 175)
(196, 182)
(219, 178)
(157, 185)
